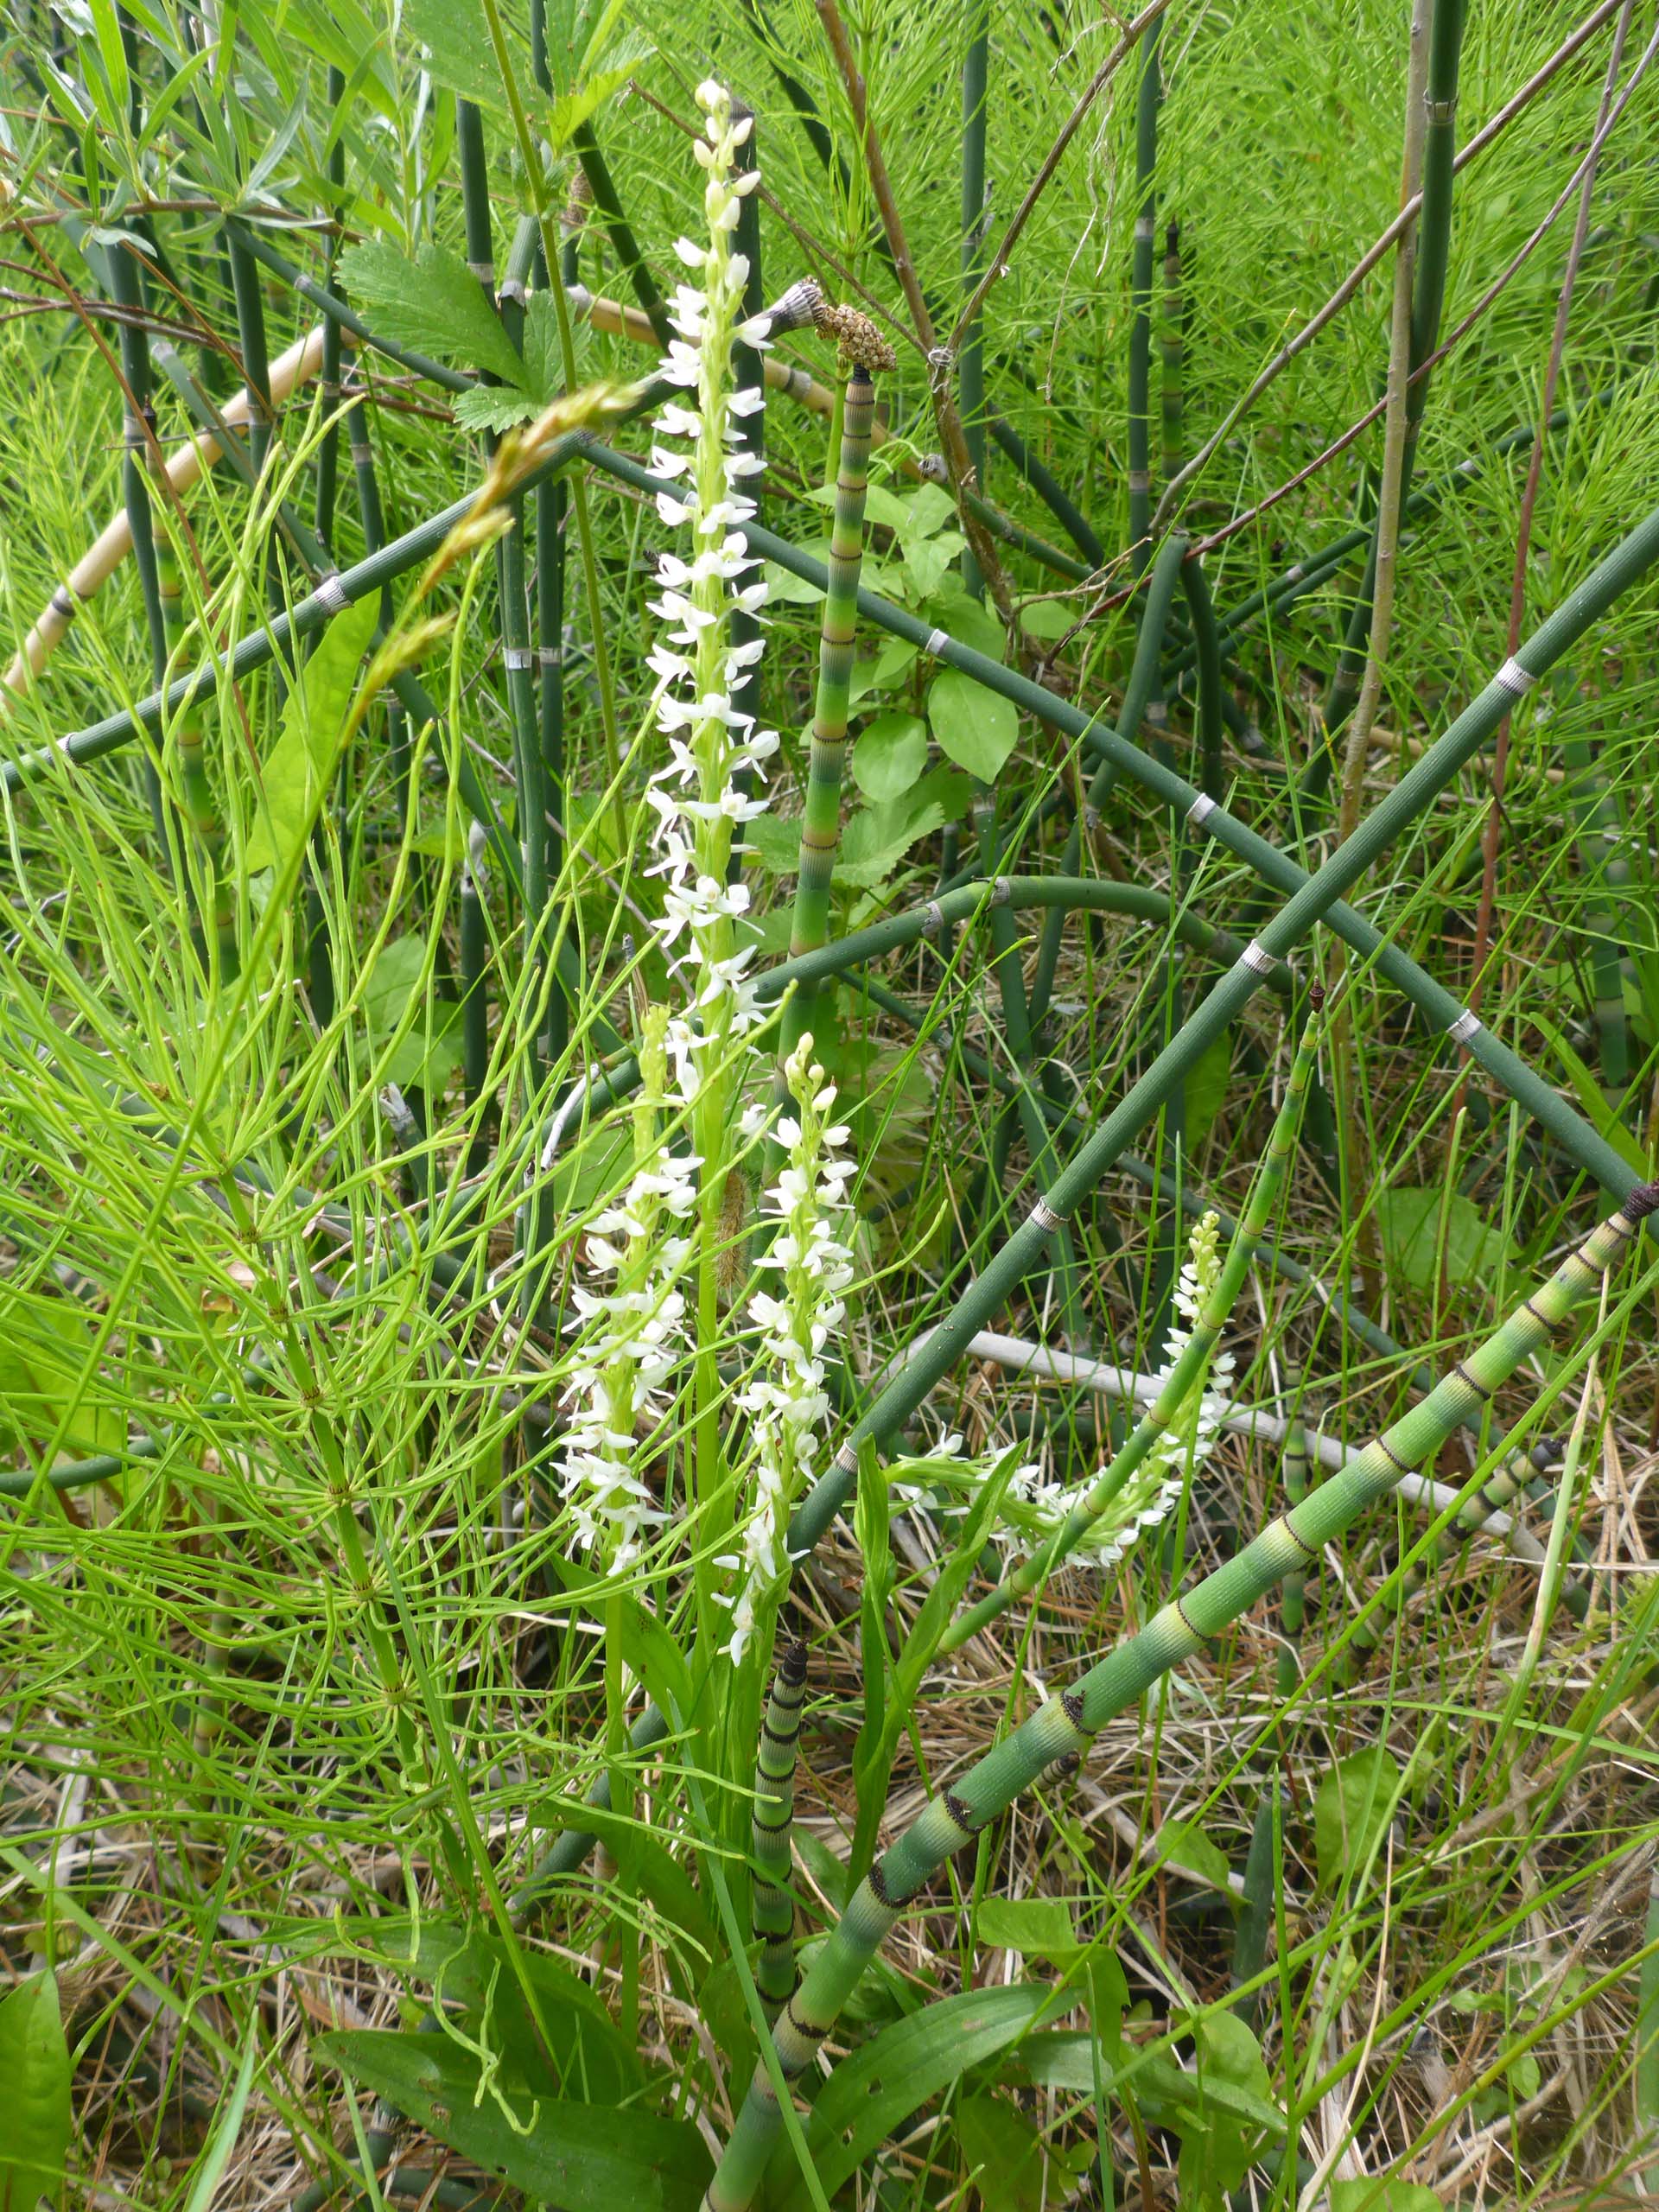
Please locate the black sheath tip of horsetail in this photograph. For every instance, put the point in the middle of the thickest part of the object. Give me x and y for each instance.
(1068, 1764)
(793, 1667)
(878, 1889)
(1171, 237)
(1316, 997)
(961, 1812)
(1071, 1707)
(1544, 1452)
(805, 2028)
(1642, 1201)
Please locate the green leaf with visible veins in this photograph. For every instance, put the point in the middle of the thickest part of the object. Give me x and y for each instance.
(35, 2066)
(294, 782)
(459, 53)
(976, 728)
(584, 2158)
(433, 304)
(894, 2075)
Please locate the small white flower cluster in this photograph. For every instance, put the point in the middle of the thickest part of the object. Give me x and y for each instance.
(630, 1332)
(785, 1396)
(1155, 1486)
(698, 800)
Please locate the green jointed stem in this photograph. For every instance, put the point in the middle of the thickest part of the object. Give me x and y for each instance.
(1206, 647)
(1433, 236)
(1292, 1593)
(1065, 1724)
(1185, 1377)
(1142, 686)
(1171, 346)
(773, 1816)
(821, 818)
(1148, 99)
(1507, 1482)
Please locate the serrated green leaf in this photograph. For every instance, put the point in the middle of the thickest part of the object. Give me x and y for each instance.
(544, 360)
(1355, 1803)
(294, 782)
(581, 2157)
(1409, 1220)
(495, 407)
(896, 2072)
(35, 2067)
(976, 728)
(459, 53)
(877, 838)
(890, 756)
(432, 305)
(569, 113)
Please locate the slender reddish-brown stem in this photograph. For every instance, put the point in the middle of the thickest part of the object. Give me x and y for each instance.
(952, 438)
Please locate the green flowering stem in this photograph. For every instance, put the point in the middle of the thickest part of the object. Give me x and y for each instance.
(821, 818)
(1065, 1725)
(772, 1817)
(1173, 1412)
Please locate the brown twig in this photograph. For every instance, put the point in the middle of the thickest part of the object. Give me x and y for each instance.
(952, 439)
(998, 264)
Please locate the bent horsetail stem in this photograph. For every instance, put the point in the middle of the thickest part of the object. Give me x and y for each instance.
(820, 820)
(1064, 1724)
(773, 1818)
(1187, 1373)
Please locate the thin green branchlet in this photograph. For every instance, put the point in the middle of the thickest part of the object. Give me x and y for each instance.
(1065, 1725)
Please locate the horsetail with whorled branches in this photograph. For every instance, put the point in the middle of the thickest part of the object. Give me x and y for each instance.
(1065, 1724)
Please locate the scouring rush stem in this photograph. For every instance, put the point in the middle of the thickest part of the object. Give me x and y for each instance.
(1184, 1377)
(1426, 216)
(958, 461)
(821, 816)
(1509, 1480)
(773, 1908)
(1206, 648)
(1064, 1726)
(547, 223)
(1148, 99)
(1017, 1038)
(1140, 689)
(970, 342)
(1171, 345)
(187, 733)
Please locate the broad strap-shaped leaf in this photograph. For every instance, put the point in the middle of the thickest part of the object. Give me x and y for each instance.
(583, 2157)
(35, 2067)
(894, 2073)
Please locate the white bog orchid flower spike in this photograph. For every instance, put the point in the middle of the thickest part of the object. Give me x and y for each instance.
(698, 800)
(785, 1396)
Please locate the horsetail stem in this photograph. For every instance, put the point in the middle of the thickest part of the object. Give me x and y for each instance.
(773, 1814)
(1065, 1724)
(1142, 687)
(1508, 1481)
(1148, 99)
(1187, 1374)
(1293, 1593)
(821, 816)
(1171, 345)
